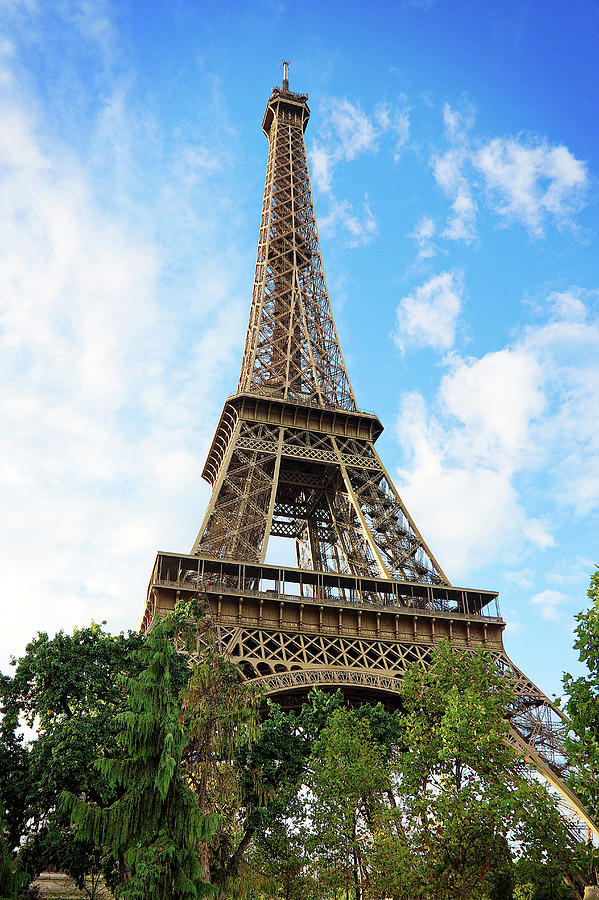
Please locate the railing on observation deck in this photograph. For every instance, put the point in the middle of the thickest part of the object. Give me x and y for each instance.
(215, 576)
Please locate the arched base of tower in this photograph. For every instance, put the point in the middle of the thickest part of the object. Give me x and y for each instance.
(291, 689)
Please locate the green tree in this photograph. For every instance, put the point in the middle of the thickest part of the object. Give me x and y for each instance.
(582, 744)
(220, 716)
(11, 879)
(155, 827)
(271, 775)
(14, 769)
(272, 771)
(280, 863)
(347, 781)
(467, 802)
(66, 688)
(430, 802)
(280, 858)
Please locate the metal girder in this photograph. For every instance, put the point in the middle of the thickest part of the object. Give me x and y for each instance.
(260, 477)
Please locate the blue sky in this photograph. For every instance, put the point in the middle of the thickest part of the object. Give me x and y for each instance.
(453, 152)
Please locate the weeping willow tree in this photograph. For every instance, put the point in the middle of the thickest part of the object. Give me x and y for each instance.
(157, 827)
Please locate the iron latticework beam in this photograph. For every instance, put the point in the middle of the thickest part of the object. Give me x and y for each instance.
(347, 505)
(292, 349)
(293, 457)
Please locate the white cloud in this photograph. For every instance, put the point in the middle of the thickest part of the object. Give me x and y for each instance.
(532, 182)
(458, 122)
(572, 573)
(448, 169)
(423, 235)
(322, 167)
(522, 180)
(529, 409)
(461, 226)
(567, 305)
(360, 228)
(107, 358)
(497, 397)
(394, 121)
(93, 21)
(355, 132)
(521, 577)
(569, 435)
(348, 133)
(427, 318)
(548, 601)
(462, 504)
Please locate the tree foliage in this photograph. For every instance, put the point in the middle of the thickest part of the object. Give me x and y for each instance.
(347, 779)
(66, 688)
(220, 717)
(425, 803)
(582, 744)
(11, 878)
(155, 825)
(469, 806)
(203, 787)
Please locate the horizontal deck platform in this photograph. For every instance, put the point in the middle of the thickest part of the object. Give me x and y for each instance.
(190, 574)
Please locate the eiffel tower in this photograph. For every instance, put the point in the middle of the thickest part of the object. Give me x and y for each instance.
(294, 457)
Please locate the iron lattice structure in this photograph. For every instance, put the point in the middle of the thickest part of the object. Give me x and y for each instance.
(293, 457)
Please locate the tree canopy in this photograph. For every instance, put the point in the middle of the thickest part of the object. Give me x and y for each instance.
(155, 825)
(420, 803)
(67, 689)
(182, 781)
(583, 705)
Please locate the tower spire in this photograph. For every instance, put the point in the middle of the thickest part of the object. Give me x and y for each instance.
(292, 349)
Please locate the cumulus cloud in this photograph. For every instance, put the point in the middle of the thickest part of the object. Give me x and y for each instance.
(427, 317)
(496, 397)
(532, 182)
(107, 358)
(567, 439)
(350, 132)
(468, 507)
(529, 409)
(521, 179)
(549, 601)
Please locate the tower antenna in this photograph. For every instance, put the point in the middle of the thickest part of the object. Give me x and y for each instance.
(286, 63)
